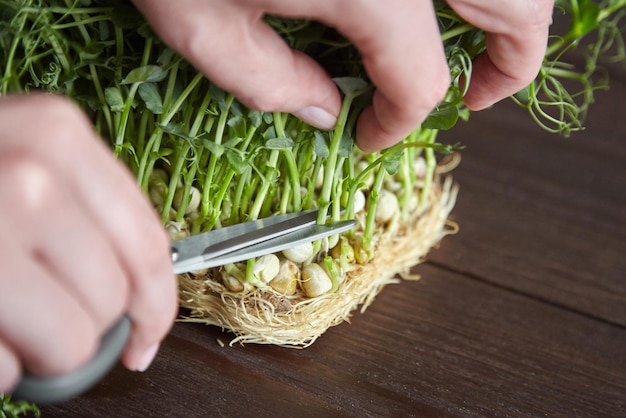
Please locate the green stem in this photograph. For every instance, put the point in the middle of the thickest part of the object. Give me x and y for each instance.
(147, 161)
(208, 180)
(330, 165)
(456, 31)
(407, 174)
(181, 156)
(431, 164)
(267, 182)
(128, 105)
(11, 56)
(292, 167)
(370, 220)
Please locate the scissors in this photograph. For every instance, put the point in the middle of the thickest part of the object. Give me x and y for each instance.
(221, 246)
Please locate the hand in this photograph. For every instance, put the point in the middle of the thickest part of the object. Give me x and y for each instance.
(80, 245)
(398, 39)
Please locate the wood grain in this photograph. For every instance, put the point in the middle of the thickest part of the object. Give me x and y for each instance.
(444, 346)
(523, 313)
(546, 215)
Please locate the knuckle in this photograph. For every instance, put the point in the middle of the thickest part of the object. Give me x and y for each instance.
(26, 182)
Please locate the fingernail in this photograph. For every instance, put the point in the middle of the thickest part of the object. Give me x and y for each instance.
(148, 357)
(317, 117)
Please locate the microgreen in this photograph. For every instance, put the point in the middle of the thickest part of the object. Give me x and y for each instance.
(11, 408)
(159, 113)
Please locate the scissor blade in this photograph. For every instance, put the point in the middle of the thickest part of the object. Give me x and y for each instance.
(265, 232)
(303, 235)
(219, 241)
(188, 252)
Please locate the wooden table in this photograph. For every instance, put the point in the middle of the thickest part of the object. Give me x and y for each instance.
(523, 313)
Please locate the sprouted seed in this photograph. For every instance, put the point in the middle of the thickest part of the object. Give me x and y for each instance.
(315, 280)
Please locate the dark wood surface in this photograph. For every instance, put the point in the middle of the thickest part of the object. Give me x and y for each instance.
(523, 313)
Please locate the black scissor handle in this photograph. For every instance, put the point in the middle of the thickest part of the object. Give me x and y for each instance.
(43, 390)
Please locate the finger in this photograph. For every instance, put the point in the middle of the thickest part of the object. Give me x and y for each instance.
(235, 48)
(10, 369)
(402, 53)
(64, 240)
(516, 39)
(110, 195)
(41, 321)
(406, 62)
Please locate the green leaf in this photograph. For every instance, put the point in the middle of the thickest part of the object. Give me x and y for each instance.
(523, 95)
(146, 31)
(176, 129)
(237, 162)
(149, 93)
(217, 94)
(587, 18)
(268, 118)
(93, 50)
(161, 154)
(255, 117)
(216, 149)
(235, 108)
(238, 124)
(14, 408)
(114, 99)
(321, 145)
(442, 118)
(351, 86)
(279, 143)
(145, 74)
(345, 145)
(391, 162)
(166, 57)
(233, 142)
(269, 133)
